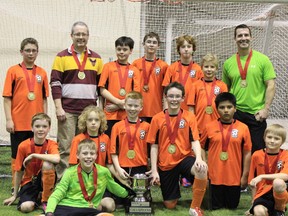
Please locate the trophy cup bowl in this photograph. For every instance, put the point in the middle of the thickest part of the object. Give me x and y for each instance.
(140, 185)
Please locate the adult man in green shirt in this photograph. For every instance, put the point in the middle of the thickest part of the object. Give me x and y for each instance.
(250, 76)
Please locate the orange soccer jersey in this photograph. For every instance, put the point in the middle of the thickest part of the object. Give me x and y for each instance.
(173, 73)
(120, 144)
(152, 98)
(102, 144)
(257, 168)
(158, 134)
(24, 150)
(198, 98)
(15, 87)
(110, 80)
(239, 141)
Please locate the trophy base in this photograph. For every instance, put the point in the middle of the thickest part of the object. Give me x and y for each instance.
(140, 208)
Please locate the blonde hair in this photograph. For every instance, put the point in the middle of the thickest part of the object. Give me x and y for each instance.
(276, 129)
(82, 125)
(209, 57)
(180, 41)
(86, 143)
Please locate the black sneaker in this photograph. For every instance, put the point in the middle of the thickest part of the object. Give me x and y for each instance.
(279, 213)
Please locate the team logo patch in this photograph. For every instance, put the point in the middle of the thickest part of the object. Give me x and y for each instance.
(234, 133)
(157, 70)
(182, 123)
(192, 73)
(279, 165)
(102, 147)
(93, 61)
(216, 90)
(142, 134)
(38, 78)
(130, 73)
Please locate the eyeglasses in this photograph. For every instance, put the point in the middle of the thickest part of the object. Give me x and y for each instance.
(30, 50)
(79, 34)
(177, 97)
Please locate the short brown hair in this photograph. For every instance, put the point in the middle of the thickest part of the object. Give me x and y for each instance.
(151, 35)
(29, 41)
(278, 130)
(41, 116)
(86, 143)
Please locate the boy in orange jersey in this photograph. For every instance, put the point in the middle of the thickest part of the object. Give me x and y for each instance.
(117, 79)
(185, 70)
(25, 94)
(152, 70)
(268, 173)
(204, 91)
(128, 140)
(92, 124)
(173, 134)
(34, 166)
(228, 143)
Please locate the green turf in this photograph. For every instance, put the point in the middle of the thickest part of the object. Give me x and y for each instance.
(181, 209)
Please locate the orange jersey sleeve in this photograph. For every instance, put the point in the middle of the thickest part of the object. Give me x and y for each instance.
(240, 141)
(119, 144)
(158, 134)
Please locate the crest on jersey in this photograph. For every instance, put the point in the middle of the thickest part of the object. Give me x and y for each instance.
(192, 73)
(142, 134)
(38, 78)
(130, 73)
(157, 70)
(102, 147)
(234, 133)
(216, 90)
(182, 123)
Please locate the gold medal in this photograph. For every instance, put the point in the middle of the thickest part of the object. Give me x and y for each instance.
(122, 92)
(31, 96)
(131, 154)
(243, 84)
(209, 110)
(90, 204)
(145, 88)
(224, 156)
(81, 75)
(172, 148)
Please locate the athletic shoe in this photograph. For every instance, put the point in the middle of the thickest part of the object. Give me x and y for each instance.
(195, 212)
(185, 183)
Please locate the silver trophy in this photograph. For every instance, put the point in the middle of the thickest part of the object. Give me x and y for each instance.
(141, 203)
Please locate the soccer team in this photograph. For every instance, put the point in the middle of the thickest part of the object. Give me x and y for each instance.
(168, 122)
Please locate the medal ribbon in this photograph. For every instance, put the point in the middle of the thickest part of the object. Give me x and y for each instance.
(226, 140)
(37, 162)
(145, 75)
(210, 96)
(81, 182)
(181, 80)
(87, 136)
(273, 168)
(81, 67)
(30, 83)
(122, 79)
(172, 134)
(243, 73)
(131, 138)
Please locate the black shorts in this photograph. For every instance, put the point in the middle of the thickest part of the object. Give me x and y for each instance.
(256, 129)
(31, 191)
(170, 179)
(266, 200)
(75, 211)
(16, 138)
(225, 196)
